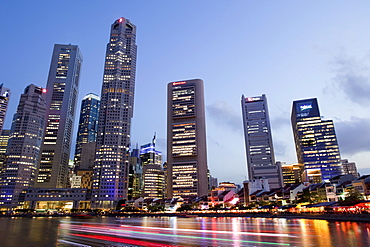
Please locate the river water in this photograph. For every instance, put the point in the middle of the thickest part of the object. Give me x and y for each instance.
(173, 231)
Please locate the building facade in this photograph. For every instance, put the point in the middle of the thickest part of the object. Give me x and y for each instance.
(23, 146)
(258, 141)
(116, 110)
(186, 140)
(291, 173)
(4, 138)
(4, 101)
(315, 141)
(87, 127)
(135, 180)
(153, 174)
(61, 99)
(349, 168)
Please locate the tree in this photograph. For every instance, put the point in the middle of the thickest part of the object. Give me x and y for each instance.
(352, 196)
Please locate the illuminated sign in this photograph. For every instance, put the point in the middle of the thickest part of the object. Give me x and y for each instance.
(6, 94)
(178, 83)
(253, 98)
(305, 107)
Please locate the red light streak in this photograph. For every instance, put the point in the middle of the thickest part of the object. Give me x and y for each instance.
(124, 240)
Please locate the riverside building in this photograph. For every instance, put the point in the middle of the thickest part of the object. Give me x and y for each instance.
(87, 131)
(61, 100)
(186, 140)
(258, 141)
(23, 146)
(111, 166)
(315, 141)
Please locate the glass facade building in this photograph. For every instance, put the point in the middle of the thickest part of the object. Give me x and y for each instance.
(186, 140)
(153, 174)
(315, 141)
(87, 127)
(111, 166)
(61, 99)
(258, 141)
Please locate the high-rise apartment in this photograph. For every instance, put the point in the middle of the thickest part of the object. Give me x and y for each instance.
(4, 100)
(258, 141)
(186, 140)
(315, 141)
(87, 128)
(24, 145)
(116, 110)
(61, 99)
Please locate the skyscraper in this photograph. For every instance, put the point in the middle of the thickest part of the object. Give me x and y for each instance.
(87, 128)
(61, 99)
(315, 141)
(4, 100)
(24, 145)
(186, 140)
(258, 141)
(116, 110)
(153, 174)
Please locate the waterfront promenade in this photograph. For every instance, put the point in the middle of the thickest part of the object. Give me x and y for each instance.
(320, 216)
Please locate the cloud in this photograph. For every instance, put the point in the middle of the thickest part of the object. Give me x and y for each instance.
(353, 135)
(224, 115)
(280, 148)
(352, 77)
(281, 122)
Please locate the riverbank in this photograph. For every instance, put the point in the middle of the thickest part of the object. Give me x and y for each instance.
(318, 216)
(324, 216)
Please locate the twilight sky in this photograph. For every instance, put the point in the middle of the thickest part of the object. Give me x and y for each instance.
(288, 50)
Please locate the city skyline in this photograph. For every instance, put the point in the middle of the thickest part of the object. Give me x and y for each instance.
(274, 50)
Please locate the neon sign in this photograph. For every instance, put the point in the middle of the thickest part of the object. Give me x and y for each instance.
(178, 83)
(253, 98)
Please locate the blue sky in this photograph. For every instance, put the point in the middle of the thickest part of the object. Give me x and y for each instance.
(288, 50)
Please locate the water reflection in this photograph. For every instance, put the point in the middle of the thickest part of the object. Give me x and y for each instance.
(172, 231)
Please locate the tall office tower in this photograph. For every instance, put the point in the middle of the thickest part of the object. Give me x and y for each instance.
(186, 140)
(116, 110)
(349, 168)
(24, 145)
(153, 174)
(4, 100)
(87, 127)
(4, 137)
(258, 141)
(61, 99)
(315, 142)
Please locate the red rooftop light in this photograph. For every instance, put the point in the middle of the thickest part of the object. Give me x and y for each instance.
(120, 19)
(44, 90)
